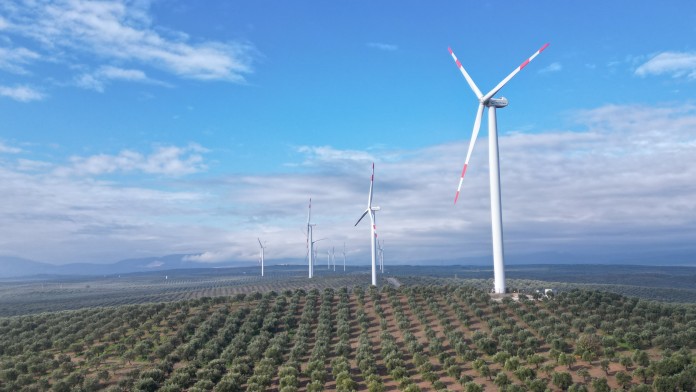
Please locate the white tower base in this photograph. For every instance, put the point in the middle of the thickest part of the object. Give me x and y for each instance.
(496, 204)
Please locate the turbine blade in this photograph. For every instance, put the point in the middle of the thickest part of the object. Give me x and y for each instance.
(474, 134)
(361, 217)
(507, 79)
(466, 76)
(372, 180)
(259, 242)
(309, 217)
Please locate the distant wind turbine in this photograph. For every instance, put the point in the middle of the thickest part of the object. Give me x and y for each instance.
(310, 242)
(493, 162)
(373, 229)
(344, 257)
(316, 255)
(381, 256)
(263, 248)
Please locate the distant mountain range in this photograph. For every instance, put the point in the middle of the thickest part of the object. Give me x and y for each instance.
(12, 267)
(16, 267)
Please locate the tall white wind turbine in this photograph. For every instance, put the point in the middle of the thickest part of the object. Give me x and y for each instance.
(263, 248)
(373, 229)
(493, 162)
(344, 257)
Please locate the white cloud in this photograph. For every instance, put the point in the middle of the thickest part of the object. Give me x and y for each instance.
(21, 93)
(168, 161)
(382, 46)
(90, 82)
(122, 73)
(676, 64)
(122, 31)
(5, 149)
(328, 154)
(553, 67)
(32, 165)
(14, 59)
(97, 80)
(214, 256)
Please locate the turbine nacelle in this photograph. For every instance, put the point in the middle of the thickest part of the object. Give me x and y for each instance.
(497, 102)
(374, 208)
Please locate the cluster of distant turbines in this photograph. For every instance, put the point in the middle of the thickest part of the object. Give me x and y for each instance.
(377, 250)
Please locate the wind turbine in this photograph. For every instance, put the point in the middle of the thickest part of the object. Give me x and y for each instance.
(373, 234)
(316, 255)
(493, 162)
(262, 251)
(310, 242)
(381, 256)
(344, 257)
(333, 257)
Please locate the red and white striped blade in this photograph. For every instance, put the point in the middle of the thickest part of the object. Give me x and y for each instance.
(507, 79)
(474, 135)
(466, 76)
(374, 228)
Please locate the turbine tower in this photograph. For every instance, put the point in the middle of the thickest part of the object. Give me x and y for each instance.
(373, 229)
(493, 162)
(344, 257)
(262, 251)
(316, 256)
(310, 242)
(381, 256)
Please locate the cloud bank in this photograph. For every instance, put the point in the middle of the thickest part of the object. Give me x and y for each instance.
(619, 182)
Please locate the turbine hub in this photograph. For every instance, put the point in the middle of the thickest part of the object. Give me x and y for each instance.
(497, 102)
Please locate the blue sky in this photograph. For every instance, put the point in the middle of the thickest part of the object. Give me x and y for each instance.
(144, 128)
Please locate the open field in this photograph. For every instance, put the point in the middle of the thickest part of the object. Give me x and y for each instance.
(408, 339)
(671, 284)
